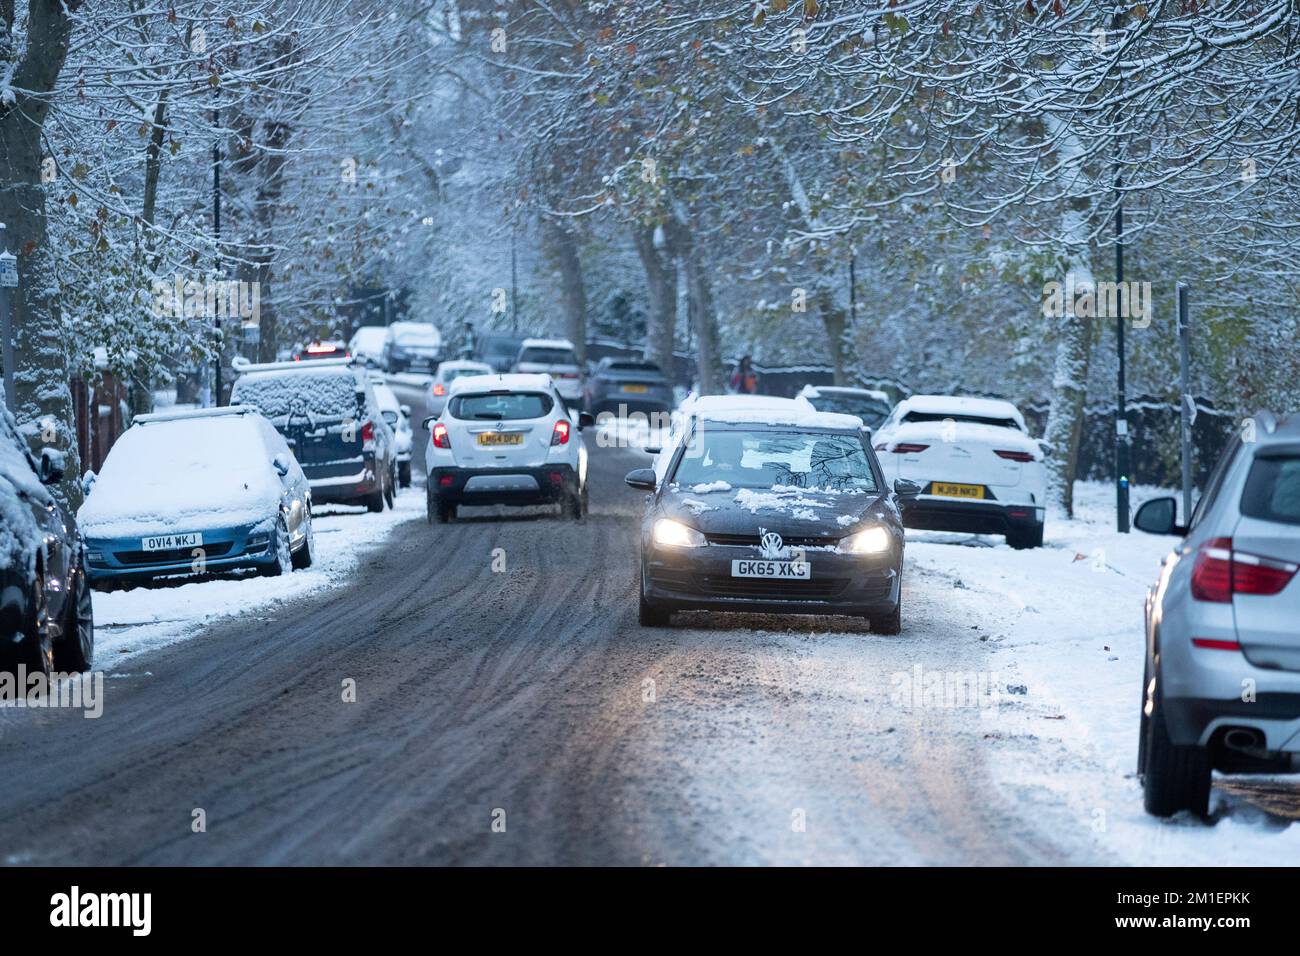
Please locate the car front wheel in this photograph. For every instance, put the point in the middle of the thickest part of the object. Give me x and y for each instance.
(76, 647)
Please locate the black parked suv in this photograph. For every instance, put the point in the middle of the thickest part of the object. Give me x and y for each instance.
(46, 621)
(327, 412)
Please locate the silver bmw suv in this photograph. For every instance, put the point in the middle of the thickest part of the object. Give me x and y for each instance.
(1221, 688)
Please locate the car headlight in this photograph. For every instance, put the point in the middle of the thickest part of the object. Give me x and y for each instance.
(874, 540)
(674, 534)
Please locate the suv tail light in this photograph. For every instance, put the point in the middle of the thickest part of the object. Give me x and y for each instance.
(440, 437)
(1013, 455)
(560, 435)
(907, 448)
(439, 389)
(1220, 572)
(368, 431)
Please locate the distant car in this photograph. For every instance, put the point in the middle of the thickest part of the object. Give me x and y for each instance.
(398, 417)
(367, 345)
(322, 349)
(447, 373)
(329, 415)
(507, 440)
(637, 386)
(866, 403)
(197, 491)
(978, 467)
(556, 358)
(1221, 619)
(499, 351)
(46, 620)
(412, 347)
(781, 511)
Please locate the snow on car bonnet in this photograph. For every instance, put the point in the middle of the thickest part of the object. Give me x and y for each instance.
(190, 474)
(320, 393)
(20, 537)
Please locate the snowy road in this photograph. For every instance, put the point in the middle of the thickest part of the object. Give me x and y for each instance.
(522, 716)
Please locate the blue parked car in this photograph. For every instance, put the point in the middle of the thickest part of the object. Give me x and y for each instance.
(195, 492)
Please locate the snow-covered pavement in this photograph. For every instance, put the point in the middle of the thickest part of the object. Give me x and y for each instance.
(1069, 642)
(128, 623)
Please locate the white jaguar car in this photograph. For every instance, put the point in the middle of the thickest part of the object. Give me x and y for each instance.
(978, 468)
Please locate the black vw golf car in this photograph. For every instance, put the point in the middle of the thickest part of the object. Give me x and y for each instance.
(776, 511)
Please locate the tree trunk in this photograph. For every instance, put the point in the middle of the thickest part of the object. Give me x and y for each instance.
(661, 284)
(703, 313)
(1073, 332)
(44, 398)
(564, 249)
(834, 319)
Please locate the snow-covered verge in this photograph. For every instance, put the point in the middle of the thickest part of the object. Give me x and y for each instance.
(129, 623)
(1071, 648)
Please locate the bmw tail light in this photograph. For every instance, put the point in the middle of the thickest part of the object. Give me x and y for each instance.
(440, 437)
(560, 436)
(1014, 455)
(1220, 572)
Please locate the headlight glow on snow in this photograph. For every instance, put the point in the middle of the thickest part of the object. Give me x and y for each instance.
(674, 534)
(874, 540)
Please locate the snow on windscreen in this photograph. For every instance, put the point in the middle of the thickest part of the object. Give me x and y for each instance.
(323, 393)
(20, 536)
(766, 460)
(184, 475)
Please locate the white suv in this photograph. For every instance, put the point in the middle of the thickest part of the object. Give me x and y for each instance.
(506, 440)
(978, 468)
(556, 358)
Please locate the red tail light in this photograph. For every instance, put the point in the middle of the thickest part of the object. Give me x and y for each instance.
(440, 437)
(1220, 572)
(1014, 455)
(440, 389)
(1214, 644)
(907, 448)
(561, 434)
(368, 431)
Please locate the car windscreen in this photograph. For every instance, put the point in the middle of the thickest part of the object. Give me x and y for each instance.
(501, 406)
(548, 356)
(870, 410)
(1273, 489)
(770, 458)
(331, 393)
(959, 417)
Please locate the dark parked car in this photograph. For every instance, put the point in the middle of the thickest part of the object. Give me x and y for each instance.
(776, 512)
(46, 621)
(639, 386)
(499, 351)
(328, 413)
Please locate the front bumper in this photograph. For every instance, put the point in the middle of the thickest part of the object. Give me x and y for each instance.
(502, 486)
(700, 579)
(121, 558)
(983, 516)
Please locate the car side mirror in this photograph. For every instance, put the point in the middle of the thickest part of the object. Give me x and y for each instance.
(906, 488)
(281, 464)
(87, 482)
(1046, 446)
(585, 420)
(1159, 516)
(428, 422)
(406, 411)
(652, 449)
(642, 479)
(51, 470)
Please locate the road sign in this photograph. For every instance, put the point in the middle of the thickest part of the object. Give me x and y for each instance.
(8, 270)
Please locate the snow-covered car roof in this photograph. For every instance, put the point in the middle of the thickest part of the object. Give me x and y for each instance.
(812, 391)
(387, 398)
(415, 330)
(798, 416)
(184, 473)
(510, 381)
(716, 404)
(182, 414)
(369, 336)
(961, 405)
(469, 365)
(545, 344)
(325, 389)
